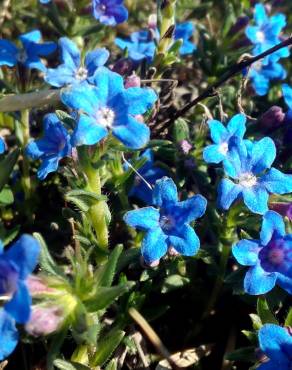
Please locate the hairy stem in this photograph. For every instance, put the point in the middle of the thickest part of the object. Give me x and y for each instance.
(26, 183)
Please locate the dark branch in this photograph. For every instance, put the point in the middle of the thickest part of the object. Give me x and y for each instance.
(232, 71)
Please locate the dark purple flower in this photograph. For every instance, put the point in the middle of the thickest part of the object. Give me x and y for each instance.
(110, 12)
(272, 118)
(284, 209)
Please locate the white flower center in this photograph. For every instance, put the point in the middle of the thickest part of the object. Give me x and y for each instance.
(257, 65)
(21, 56)
(105, 117)
(247, 180)
(81, 74)
(223, 148)
(260, 35)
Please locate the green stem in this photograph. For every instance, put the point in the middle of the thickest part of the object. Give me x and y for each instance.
(98, 211)
(26, 183)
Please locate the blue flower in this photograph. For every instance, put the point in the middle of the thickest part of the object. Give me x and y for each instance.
(29, 55)
(71, 70)
(168, 226)
(151, 174)
(108, 106)
(276, 343)
(2, 145)
(185, 31)
(269, 257)
(110, 12)
(8, 334)
(54, 146)
(45, 1)
(266, 33)
(140, 45)
(246, 165)
(261, 75)
(16, 264)
(221, 136)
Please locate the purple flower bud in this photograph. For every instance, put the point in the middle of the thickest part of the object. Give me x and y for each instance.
(123, 66)
(185, 146)
(239, 25)
(272, 118)
(284, 209)
(152, 22)
(288, 117)
(190, 164)
(44, 320)
(37, 285)
(173, 252)
(133, 81)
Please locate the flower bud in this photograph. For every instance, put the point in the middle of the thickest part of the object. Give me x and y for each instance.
(132, 81)
(272, 118)
(44, 320)
(239, 25)
(36, 285)
(123, 66)
(284, 209)
(185, 146)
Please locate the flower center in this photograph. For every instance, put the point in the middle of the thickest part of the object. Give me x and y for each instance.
(106, 117)
(21, 56)
(223, 148)
(257, 66)
(276, 256)
(247, 180)
(81, 74)
(166, 222)
(260, 35)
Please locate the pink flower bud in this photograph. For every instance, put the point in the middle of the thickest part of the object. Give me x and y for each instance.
(36, 285)
(173, 252)
(44, 320)
(185, 146)
(132, 81)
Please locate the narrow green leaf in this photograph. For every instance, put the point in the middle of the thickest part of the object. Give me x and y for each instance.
(105, 274)
(264, 312)
(6, 196)
(246, 354)
(288, 321)
(6, 166)
(112, 365)
(55, 347)
(106, 346)
(181, 130)
(68, 365)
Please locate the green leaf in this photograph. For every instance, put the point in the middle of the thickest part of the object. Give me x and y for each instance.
(288, 321)
(6, 196)
(112, 365)
(181, 130)
(83, 199)
(106, 346)
(256, 321)
(6, 166)
(46, 261)
(246, 354)
(55, 347)
(264, 312)
(174, 282)
(104, 297)
(68, 365)
(105, 274)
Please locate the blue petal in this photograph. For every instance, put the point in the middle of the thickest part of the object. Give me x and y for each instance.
(70, 54)
(108, 83)
(260, 14)
(24, 254)
(246, 252)
(236, 126)
(43, 49)
(132, 133)
(251, 33)
(270, 365)
(276, 182)
(144, 218)
(165, 192)
(95, 59)
(60, 76)
(185, 242)
(2, 145)
(285, 282)
(8, 53)
(88, 131)
(190, 209)
(8, 335)
(276, 343)
(49, 164)
(30, 37)
(228, 192)
(19, 306)
(120, 14)
(257, 281)
(211, 154)
(287, 94)
(81, 97)
(263, 154)
(236, 161)
(139, 100)
(256, 199)
(272, 222)
(35, 63)
(154, 245)
(218, 131)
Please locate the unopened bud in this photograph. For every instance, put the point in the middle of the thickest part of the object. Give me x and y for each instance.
(44, 320)
(272, 118)
(123, 66)
(284, 209)
(185, 146)
(132, 81)
(36, 285)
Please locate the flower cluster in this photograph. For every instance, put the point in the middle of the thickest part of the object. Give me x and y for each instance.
(264, 35)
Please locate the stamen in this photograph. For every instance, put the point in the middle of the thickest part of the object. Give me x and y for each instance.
(247, 180)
